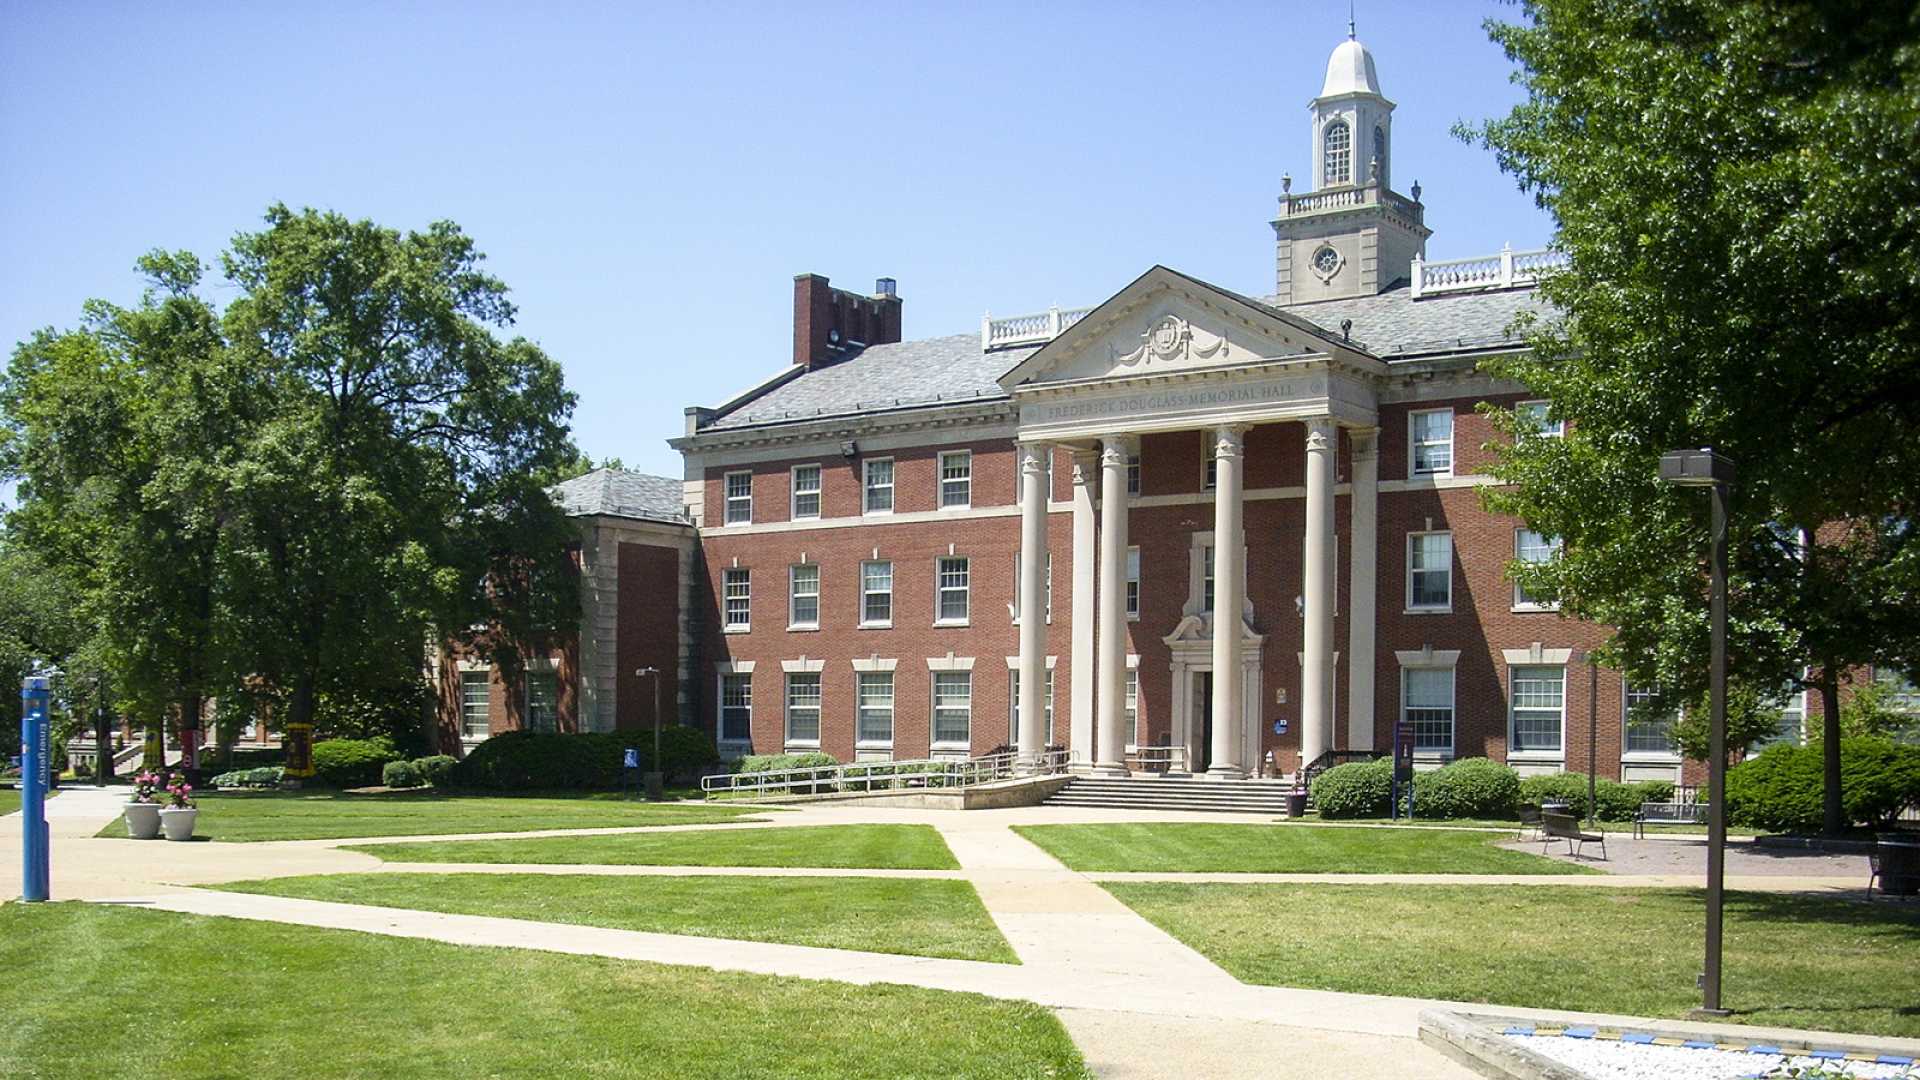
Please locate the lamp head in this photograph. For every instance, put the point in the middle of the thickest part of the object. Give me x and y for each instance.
(1696, 468)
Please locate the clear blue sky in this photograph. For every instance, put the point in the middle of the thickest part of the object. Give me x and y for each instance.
(648, 181)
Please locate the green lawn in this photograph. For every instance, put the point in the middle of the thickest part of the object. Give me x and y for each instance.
(10, 799)
(1790, 961)
(844, 847)
(122, 993)
(1514, 825)
(916, 917)
(295, 815)
(1200, 847)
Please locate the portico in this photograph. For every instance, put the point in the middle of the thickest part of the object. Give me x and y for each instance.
(1170, 353)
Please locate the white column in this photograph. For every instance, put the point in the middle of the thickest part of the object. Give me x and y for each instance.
(1112, 739)
(1229, 596)
(1362, 598)
(1033, 600)
(1316, 674)
(1085, 483)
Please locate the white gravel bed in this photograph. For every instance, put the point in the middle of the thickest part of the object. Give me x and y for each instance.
(1610, 1060)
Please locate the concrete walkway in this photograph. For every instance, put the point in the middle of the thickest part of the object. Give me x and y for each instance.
(1139, 1003)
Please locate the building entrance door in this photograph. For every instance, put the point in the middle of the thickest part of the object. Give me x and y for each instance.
(1200, 747)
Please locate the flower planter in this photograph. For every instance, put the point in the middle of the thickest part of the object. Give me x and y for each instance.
(143, 820)
(178, 824)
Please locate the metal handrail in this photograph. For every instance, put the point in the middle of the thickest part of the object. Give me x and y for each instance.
(1161, 758)
(860, 777)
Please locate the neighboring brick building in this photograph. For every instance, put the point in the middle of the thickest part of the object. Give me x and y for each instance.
(635, 554)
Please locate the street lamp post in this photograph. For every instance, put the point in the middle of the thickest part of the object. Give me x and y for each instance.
(653, 778)
(1704, 468)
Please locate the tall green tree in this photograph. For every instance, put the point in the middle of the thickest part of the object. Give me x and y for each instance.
(120, 433)
(1734, 182)
(394, 493)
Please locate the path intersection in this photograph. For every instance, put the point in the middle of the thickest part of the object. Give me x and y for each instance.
(1139, 1003)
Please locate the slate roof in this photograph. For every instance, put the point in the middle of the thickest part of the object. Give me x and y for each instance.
(619, 493)
(942, 370)
(1393, 324)
(946, 370)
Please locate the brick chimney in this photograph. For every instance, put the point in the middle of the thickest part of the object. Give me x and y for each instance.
(830, 324)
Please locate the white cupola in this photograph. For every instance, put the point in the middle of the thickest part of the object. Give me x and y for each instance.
(1348, 234)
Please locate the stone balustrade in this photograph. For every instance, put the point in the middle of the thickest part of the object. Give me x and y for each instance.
(1506, 270)
(1036, 328)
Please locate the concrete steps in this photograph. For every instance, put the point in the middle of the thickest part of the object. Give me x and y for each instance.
(1175, 793)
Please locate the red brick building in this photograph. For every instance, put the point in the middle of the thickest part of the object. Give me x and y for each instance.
(866, 531)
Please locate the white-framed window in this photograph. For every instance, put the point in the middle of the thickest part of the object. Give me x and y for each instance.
(1537, 711)
(736, 707)
(543, 701)
(875, 708)
(806, 492)
(1904, 698)
(1430, 571)
(476, 704)
(1647, 734)
(1046, 588)
(1792, 703)
(953, 708)
(737, 597)
(1132, 703)
(876, 593)
(803, 596)
(1133, 583)
(1206, 578)
(803, 708)
(1426, 705)
(879, 486)
(1536, 418)
(953, 605)
(1013, 706)
(739, 498)
(1337, 154)
(1430, 439)
(1210, 470)
(956, 479)
(1532, 547)
(1133, 474)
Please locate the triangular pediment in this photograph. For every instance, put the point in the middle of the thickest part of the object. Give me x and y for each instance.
(1167, 323)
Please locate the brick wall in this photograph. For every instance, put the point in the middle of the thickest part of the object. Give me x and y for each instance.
(649, 622)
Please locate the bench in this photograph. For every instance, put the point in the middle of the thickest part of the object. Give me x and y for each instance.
(1667, 813)
(1566, 827)
(1529, 820)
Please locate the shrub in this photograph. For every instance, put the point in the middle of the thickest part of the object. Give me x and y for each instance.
(351, 763)
(754, 763)
(1783, 788)
(1356, 789)
(401, 774)
(265, 776)
(1617, 801)
(395, 712)
(533, 760)
(1468, 788)
(436, 770)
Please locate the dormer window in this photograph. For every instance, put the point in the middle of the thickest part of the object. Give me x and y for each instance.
(1339, 153)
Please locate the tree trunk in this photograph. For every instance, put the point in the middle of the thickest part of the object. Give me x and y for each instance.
(1833, 811)
(191, 707)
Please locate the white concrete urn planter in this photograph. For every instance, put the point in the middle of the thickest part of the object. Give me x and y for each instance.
(178, 823)
(143, 820)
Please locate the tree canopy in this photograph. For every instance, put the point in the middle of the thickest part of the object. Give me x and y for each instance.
(1733, 181)
(291, 497)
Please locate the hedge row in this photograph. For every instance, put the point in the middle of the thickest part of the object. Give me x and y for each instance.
(435, 770)
(758, 763)
(266, 776)
(1474, 788)
(534, 760)
(351, 763)
(1784, 788)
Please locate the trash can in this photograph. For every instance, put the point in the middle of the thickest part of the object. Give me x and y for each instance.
(1899, 863)
(1297, 804)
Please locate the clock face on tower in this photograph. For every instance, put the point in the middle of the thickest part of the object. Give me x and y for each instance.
(1326, 262)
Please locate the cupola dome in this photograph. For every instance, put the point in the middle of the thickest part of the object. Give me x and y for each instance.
(1350, 71)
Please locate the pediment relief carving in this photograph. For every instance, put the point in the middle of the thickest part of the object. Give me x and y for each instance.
(1171, 338)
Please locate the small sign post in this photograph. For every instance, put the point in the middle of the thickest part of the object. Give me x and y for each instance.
(35, 750)
(630, 770)
(1402, 768)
